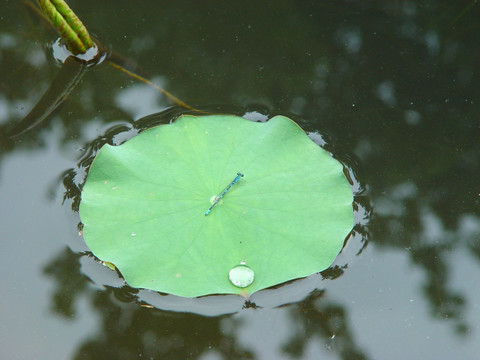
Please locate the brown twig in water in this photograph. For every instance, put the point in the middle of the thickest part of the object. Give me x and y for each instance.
(174, 99)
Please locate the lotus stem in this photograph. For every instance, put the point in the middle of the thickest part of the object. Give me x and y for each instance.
(71, 30)
(174, 99)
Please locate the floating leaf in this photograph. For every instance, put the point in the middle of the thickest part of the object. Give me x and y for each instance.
(144, 203)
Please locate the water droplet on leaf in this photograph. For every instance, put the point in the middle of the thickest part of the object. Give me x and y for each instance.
(241, 276)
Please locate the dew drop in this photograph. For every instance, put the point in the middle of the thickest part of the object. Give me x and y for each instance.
(241, 275)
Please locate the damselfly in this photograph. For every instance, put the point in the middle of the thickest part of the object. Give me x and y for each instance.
(222, 194)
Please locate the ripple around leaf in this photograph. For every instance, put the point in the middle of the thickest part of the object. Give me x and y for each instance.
(286, 218)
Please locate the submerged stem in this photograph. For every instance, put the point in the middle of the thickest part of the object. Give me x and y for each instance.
(174, 99)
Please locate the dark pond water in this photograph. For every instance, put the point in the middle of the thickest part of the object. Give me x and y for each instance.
(391, 85)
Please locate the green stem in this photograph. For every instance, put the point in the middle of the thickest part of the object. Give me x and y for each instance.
(71, 30)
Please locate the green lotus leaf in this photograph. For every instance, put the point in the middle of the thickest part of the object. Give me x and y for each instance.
(144, 206)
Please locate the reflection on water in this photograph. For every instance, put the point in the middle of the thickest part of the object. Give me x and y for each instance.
(394, 83)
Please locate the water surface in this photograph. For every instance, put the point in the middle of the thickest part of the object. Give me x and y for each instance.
(392, 86)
